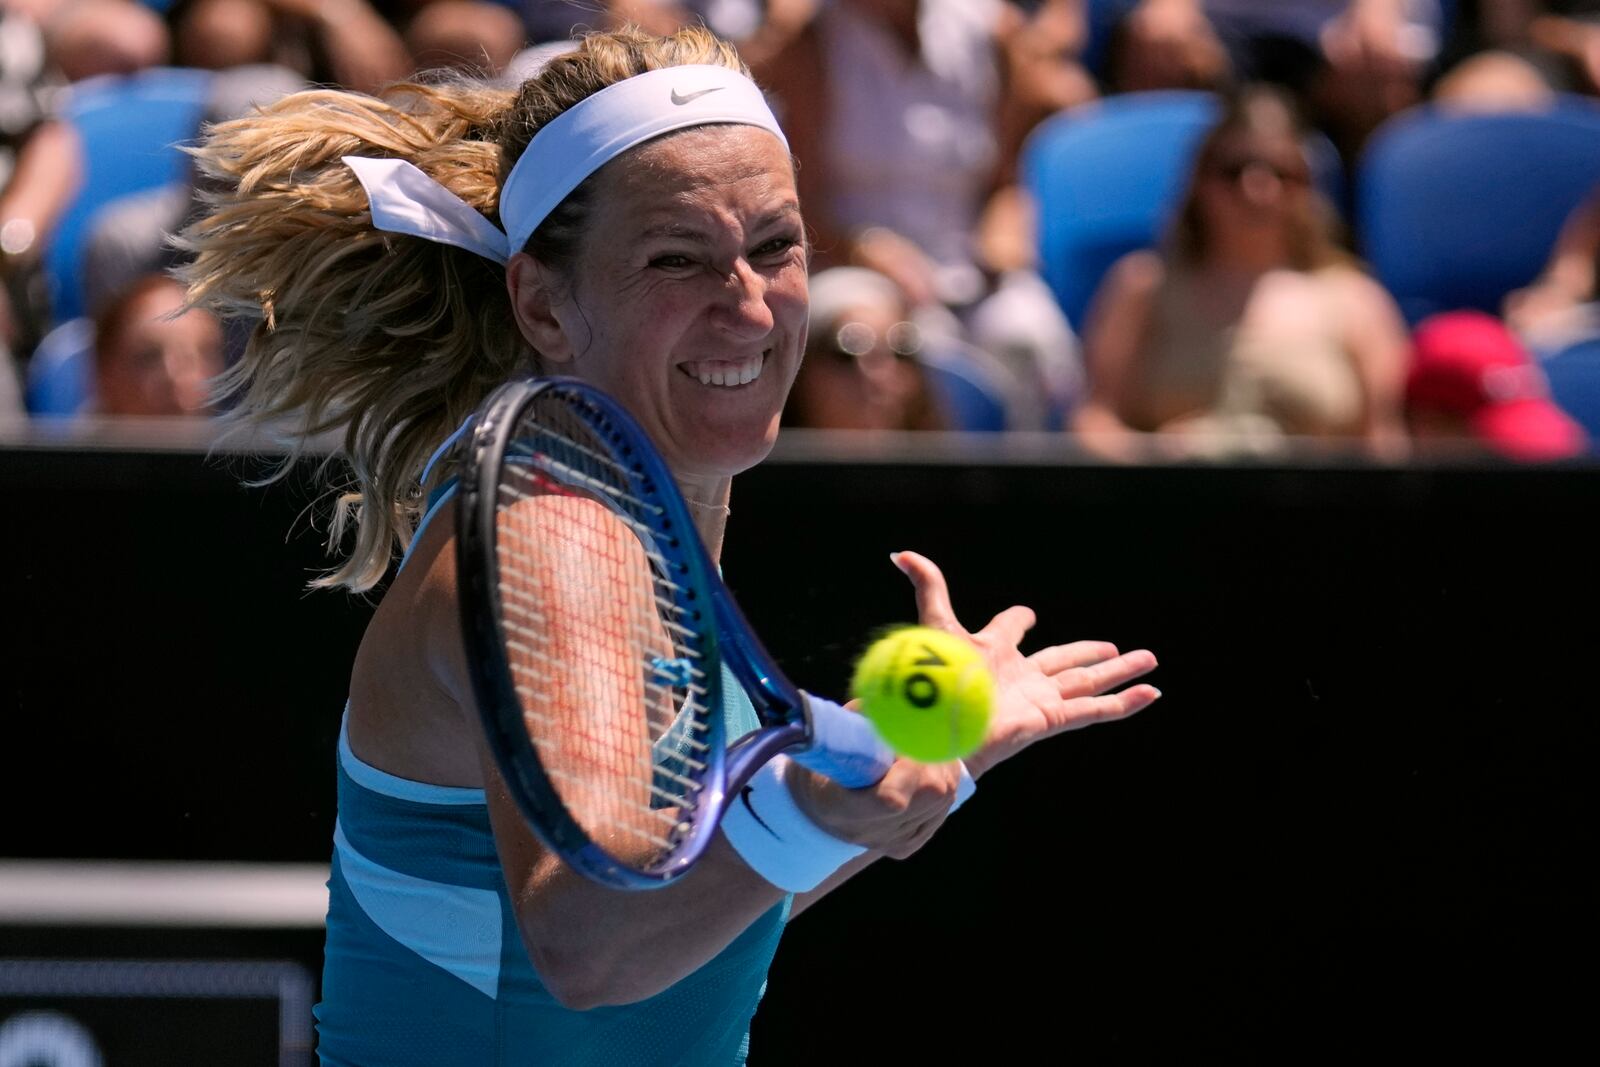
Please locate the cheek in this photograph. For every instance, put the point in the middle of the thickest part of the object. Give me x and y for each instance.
(790, 297)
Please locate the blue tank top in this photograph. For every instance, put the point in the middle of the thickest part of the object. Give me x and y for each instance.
(424, 965)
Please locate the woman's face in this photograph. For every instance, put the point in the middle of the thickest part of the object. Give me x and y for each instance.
(687, 301)
(853, 379)
(158, 364)
(1253, 182)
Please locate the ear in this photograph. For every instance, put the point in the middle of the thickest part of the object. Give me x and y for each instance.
(536, 293)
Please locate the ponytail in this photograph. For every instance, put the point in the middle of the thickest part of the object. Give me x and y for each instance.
(388, 341)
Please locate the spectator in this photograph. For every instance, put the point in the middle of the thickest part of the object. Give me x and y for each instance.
(153, 357)
(479, 39)
(1570, 31)
(1560, 306)
(132, 235)
(1493, 82)
(1351, 63)
(907, 117)
(346, 42)
(860, 370)
(40, 170)
(1557, 37)
(1165, 44)
(93, 37)
(558, 20)
(1250, 327)
(1471, 381)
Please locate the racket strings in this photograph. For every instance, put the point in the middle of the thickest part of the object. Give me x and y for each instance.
(605, 656)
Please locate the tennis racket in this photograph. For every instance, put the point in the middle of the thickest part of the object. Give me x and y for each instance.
(601, 640)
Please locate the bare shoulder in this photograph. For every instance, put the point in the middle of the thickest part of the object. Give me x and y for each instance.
(410, 704)
(1128, 288)
(1140, 269)
(1137, 274)
(1356, 290)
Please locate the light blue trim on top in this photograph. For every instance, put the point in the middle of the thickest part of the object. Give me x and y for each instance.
(444, 493)
(439, 452)
(382, 782)
(454, 927)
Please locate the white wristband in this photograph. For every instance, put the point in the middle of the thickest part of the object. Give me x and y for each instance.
(780, 843)
(768, 829)
(964, 788)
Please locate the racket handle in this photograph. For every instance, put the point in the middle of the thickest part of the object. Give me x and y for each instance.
(844, 746)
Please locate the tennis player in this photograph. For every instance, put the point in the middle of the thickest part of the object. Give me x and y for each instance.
(627, 216)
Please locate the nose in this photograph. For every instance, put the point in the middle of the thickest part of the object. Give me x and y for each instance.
(878, 366)
(742, 312)
(1261, 184)
(186, 381)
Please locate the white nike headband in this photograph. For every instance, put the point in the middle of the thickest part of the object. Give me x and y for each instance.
(561, 155)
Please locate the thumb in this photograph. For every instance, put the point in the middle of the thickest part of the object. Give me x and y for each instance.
(933, 595)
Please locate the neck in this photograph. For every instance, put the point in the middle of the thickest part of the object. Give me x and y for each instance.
(1249, 253)
(708, 506)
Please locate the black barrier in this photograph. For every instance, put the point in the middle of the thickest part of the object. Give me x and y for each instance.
(1358, 819)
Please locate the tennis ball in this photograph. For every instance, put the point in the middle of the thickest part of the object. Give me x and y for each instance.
(928, 692)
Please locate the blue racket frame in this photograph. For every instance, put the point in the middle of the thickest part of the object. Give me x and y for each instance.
(778, 703)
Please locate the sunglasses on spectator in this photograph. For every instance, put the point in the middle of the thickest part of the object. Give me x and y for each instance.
(1234, 169)
(852, 340)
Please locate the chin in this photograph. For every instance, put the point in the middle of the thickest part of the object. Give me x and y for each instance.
(723, 452)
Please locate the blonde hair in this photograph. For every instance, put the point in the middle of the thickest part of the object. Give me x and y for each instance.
(389, 341)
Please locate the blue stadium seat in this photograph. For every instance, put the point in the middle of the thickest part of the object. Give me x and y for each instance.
(1574, 375)
(1455, 211)
(1106, 176)
(60, 371)
(131, 127)
(970, 388)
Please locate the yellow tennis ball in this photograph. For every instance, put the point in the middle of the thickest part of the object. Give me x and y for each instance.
(928, 692)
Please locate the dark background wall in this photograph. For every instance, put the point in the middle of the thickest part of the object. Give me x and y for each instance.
(1358, 819)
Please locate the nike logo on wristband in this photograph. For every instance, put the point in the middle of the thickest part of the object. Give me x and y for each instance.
(744, 795)
(683, 98)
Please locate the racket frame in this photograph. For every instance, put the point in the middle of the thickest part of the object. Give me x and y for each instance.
(678, 541)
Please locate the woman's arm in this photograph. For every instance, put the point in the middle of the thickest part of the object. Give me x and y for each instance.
(1568, 279)
(1379, 345)
(592, 945)
(1118, 325)
(364, 52)
(47, 176)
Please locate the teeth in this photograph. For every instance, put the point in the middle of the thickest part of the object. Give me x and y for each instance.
(723, 373)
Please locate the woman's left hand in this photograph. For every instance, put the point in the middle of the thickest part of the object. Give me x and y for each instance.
(1060, 688)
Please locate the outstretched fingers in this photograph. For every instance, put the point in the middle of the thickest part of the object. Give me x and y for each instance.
(1097, 678)
(1058, 658)
(1086, 711)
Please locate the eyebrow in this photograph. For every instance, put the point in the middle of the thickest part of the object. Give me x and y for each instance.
(690, 232)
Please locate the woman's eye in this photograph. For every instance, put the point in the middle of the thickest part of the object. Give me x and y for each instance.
(671, 261)
(778, 246)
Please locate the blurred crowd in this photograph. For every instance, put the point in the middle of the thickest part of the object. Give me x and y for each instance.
(1247, 321)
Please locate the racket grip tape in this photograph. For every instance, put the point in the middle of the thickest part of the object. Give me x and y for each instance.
(844, 746)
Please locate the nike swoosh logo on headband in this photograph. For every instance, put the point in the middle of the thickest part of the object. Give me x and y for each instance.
(684, 98)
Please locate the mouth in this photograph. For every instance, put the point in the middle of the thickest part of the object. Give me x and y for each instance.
(726, 373)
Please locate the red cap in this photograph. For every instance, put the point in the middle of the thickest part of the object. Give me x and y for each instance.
(1467, 363)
